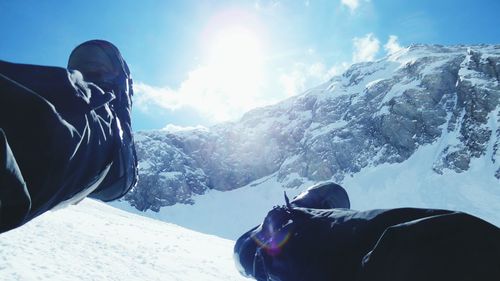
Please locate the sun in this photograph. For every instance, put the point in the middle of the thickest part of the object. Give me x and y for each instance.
(234, 55)
(235, 48)
(233, 70)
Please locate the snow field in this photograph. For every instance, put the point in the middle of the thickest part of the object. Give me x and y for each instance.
(93, 241)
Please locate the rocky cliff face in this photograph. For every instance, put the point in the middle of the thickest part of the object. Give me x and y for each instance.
(376, 112)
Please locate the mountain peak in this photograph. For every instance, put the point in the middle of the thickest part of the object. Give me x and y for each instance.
(375, 113)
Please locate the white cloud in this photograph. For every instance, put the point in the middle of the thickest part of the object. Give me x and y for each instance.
(294, 82)
(351, 4)
(365, 48)
(222, 93)
(147, 96)
(221, 97)
(337, 69)
(215, 94)
(392, 46)
(305, 76)
(301, 77)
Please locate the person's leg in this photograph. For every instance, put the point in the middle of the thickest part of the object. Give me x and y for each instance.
(50, 83)
(454, 246)
(15, 201)
(32, 126)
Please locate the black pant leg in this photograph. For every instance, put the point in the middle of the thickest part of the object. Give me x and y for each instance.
(40, 140)
(15, 201)
(454, 246)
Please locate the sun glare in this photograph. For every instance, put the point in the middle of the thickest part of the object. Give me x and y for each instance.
(235, 62)
(235, 48)
(232, 71)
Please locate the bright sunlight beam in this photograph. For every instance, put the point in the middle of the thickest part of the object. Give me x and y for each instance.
(235, 51)
(231, 74)
(234, 60)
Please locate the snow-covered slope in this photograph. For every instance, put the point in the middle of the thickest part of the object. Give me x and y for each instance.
(93, 241)
(418, 128)
(229, 214)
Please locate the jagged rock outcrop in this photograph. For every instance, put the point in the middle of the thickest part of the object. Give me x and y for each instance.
(376, 112)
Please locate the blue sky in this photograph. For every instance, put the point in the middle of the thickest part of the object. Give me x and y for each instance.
(199, 62)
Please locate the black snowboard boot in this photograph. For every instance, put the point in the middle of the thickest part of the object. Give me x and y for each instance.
(326, 195)
(101, 63)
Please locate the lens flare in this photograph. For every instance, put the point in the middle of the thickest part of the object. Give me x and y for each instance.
(271, 238)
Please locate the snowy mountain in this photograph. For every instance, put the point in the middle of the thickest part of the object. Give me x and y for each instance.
(93, 241)
(417, 128)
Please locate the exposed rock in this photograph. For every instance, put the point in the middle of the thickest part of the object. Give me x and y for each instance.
(376, 112)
